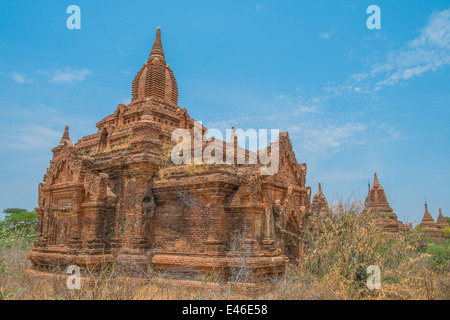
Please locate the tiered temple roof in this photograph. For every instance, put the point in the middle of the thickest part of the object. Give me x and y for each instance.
(155, 79)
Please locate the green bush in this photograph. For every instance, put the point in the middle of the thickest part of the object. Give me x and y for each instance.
(439, 252)
(446, 231)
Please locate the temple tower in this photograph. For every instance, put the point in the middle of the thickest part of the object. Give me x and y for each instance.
(429, 226)
(376, 201)
(319, 205)
(441, 221)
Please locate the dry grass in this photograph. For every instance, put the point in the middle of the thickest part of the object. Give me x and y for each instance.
(111, 283)
(338, 249)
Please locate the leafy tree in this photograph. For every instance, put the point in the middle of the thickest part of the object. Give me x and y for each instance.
(20, 220)
(18, 224)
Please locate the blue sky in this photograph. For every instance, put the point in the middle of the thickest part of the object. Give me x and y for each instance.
(353, 100)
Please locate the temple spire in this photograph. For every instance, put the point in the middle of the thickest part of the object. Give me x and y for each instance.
(157, 50)
(65, 138)
(375, 180)
(319, 205)
(66, 133)
(427, 216)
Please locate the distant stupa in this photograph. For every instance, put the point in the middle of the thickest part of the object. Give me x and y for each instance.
(429, 226)
(376, 201)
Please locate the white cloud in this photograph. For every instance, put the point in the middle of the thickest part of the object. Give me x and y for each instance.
(20, 77)
(306, 122)
(29, 137)
(125, 101)
(38, 127)
(311, 136)
(327, 35)
(332, 138)
(66, 75)
(260, 8)
(428, 52)
(295, 106)
(223, 124)
(394, 133)
(306, 109)
(69, 75)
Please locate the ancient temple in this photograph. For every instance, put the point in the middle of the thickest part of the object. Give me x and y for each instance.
(319, 205)
(115, 195)
(441, 221)
(376, 201)
(429, 226)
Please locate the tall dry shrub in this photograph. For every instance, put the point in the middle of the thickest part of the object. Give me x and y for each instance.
(342, 244)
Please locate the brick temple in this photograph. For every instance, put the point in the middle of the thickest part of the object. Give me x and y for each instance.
(433, 229)
(115, 195)
(377, 201)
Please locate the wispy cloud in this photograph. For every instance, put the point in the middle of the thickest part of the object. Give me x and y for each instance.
(69, 75)
(260, 8)
(332, 138)
(296, 105)
(37, 128)
(125, 101)
(20, 77)
(324, 35)
(28, 137)
(428, 52)
(315, 132)
(66, 75)
(306, 109)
